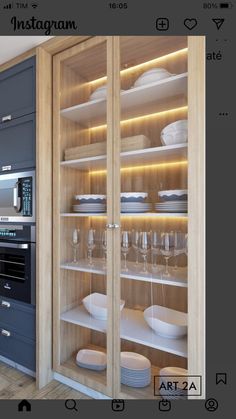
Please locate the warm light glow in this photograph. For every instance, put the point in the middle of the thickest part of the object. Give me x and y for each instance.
(144, 65)
(143, 117)
(143, 167)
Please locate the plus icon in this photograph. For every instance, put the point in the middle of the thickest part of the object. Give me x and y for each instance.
(162, 24)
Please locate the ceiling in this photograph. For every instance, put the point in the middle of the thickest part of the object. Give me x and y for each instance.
(11, 46)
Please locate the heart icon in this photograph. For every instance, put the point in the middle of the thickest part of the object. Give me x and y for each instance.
(190, 23)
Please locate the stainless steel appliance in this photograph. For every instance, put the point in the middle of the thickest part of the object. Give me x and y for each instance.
(17, 197)
(17, 262)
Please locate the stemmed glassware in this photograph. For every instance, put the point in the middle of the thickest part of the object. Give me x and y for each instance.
(167, 249)
(125, 246)
(135, 241)
(179, 246)
(144, 247)
(75, 242)
(90, 245)
(104, 246)
(155, 237)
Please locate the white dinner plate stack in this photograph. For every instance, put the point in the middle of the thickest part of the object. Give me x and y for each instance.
(91, 359)
(90, 203)
(171, 375)
(174, 200)
(135, 370)
(134, 202)
(172, 206)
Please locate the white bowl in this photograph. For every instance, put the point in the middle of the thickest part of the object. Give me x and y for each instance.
(91, 359)
(96, 304)
(170, 372)
(172, 138)
(181, 124)
(133, 196)
(99, 93)
(166, 322)
(90, 198)
(151, 76)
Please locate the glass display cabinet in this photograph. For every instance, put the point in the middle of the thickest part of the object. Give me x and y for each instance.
(128, 215)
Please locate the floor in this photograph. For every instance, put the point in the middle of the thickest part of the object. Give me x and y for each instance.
(16, 385)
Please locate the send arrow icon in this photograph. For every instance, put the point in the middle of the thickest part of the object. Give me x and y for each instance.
(218, 22)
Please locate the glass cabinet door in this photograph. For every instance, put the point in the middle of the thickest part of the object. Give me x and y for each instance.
(82, 244)
(154, 219)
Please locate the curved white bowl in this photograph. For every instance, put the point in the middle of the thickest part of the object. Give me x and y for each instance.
(177, 137)
(151, 76)
(181, 124)
(170, 192)
(134, 361)
(96, 304)
(91, 359)
(166, 322)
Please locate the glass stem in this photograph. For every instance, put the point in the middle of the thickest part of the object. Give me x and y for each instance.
(136, 262)
(176, 266)
(125, 264)
(167, 266)
(75, 254)
(145, 263)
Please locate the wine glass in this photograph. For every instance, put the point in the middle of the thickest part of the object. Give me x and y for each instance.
(90, 244)
(75, 242)
(125, 246)
(104, 246)
(167, 249)
(144, 247)
(155, 237)
(179, 246)
(134, 241)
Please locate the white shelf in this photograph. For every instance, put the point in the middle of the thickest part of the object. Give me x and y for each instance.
(94, 112)
(178, 277)
(153, 155)
(133, 328)
(128, 214)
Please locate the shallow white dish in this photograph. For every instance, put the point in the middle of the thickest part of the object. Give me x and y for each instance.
(175, 133)
(151, 76)
(181, 124)
(96, 304)
(166, 322)
(169, 372)
(90, 198)
(133, 196)
(174, 195)
(134, 361)
(100, 93)
(91, 359)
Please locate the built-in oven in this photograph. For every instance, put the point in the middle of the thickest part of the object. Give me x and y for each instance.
(17, 262)
(17, 197)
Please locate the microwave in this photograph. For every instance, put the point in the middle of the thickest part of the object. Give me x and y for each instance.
(17, 197)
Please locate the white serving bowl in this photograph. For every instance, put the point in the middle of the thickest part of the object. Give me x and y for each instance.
(166, 322)
(96, 304)
(133, 196)
(92, 199)
(175, 133)
(167, 374)
(134, 361)
(173, 195)
(150, 76)
(91, 359)
(99, 93)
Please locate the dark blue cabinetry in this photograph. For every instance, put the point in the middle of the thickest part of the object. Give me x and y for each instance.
(18, 332)
(17, 117)
(17, 90)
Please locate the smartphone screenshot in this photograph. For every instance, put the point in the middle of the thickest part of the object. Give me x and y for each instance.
(116, 208)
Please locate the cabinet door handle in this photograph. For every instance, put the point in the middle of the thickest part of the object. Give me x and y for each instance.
(112, 226)
(5, 304)
(6, 118)
(5, 333)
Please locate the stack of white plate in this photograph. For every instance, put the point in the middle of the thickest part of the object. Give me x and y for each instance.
(171, 375)
(135, 207)
(134, 202)
(91, 359)
(174, 200)
(172, 206)
(90, 208)
(135, 370)
(90, 203)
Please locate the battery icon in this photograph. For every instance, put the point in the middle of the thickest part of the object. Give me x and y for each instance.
(224, 5)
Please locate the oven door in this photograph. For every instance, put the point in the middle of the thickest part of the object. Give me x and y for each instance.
(17, 197)
(17, 271)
